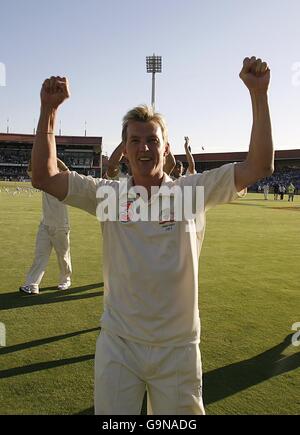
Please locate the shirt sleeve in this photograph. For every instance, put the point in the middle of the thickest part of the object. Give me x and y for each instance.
(82, 192)
(219, 185)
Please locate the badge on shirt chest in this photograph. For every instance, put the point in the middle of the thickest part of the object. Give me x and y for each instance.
(167, 219)
(126, 210)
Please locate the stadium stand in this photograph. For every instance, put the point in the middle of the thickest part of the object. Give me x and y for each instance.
(287, 166)
(79, 153)
(83, 153)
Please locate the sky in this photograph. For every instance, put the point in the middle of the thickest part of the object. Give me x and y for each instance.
(101, 46)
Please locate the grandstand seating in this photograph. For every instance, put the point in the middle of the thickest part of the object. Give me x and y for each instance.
(282, 176)
(79, 153)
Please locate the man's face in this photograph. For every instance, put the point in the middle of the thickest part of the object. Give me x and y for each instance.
(145, 148)
(177, 171)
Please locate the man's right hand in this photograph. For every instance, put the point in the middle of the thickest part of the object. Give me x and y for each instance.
(186, 144)
(54, 92)
(45, 174)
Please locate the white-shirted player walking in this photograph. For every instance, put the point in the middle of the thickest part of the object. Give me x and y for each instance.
(53, 232)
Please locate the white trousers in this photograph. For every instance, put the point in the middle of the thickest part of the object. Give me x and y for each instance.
(46, 239)
(124, 370)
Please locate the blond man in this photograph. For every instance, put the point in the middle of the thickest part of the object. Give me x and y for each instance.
(150, 326)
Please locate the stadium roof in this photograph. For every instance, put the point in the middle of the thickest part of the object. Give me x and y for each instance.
(239, 156)
(60, 140)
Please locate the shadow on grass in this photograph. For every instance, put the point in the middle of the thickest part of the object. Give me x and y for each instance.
(229, 380)
(19, 300)
(91, 411)
(17, 371)
(247, 205)
(218, 384)
(41, 342)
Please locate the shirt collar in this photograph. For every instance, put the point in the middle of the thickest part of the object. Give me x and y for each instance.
(166, 181)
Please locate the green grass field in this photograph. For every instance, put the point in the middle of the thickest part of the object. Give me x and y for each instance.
(249, 300)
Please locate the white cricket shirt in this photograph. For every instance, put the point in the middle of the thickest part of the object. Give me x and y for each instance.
(55, 214)
(150, 269)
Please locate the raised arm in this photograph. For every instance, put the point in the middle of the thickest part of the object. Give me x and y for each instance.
(260, 159)
(114, 161)
(169, 163)
(189, 157)
(45, 174)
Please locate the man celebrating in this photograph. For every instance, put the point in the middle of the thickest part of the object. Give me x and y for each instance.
(150, 326)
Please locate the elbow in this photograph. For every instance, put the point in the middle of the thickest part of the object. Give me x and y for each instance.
(268, 171)
(41, 178)
(264, 173)
(260, 171)
(37, 183)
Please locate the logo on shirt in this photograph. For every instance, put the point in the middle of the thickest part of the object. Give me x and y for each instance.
(167, 219)
(126, 211)
(166, 216)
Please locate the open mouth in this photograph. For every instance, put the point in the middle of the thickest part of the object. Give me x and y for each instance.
(145, 159)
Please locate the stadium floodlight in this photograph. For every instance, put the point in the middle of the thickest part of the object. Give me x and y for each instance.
(154, 65)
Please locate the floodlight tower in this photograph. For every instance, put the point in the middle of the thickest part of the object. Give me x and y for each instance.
(154, 65)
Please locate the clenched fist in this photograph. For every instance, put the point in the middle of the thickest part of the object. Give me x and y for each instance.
(256, 75)
(54, 92)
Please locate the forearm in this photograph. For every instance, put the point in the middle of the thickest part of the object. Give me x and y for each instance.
(170, 163)
(43, 156)
(261, 152)
(191, 162)
(114, 161)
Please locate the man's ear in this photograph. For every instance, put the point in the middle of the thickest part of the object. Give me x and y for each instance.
(167, 149)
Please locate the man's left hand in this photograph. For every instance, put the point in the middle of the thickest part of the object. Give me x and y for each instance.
(256, 75)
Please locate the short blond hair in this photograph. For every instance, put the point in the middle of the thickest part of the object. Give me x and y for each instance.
(144, 113)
